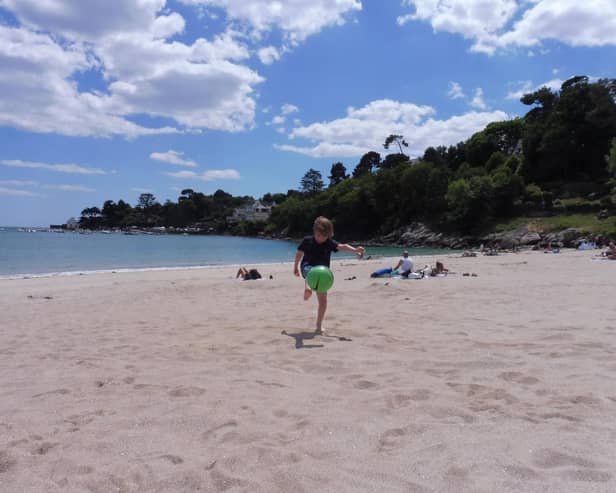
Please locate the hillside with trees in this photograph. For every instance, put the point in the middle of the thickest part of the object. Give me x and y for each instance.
(558, 160)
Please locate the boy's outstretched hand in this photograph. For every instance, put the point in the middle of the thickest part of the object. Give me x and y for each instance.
(360, 251)
(296, 272)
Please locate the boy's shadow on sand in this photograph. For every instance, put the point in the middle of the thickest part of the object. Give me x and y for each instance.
(300, 337)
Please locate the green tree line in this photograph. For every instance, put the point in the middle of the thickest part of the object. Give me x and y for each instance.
(564, 145)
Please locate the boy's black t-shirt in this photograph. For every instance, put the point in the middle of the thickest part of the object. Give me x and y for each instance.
(315, 253)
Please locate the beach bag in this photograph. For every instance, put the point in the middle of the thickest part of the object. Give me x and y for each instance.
(253, 274)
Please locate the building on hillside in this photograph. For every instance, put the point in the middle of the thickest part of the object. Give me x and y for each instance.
(256, 211)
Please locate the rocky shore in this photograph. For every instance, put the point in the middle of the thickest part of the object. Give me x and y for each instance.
(420, 235)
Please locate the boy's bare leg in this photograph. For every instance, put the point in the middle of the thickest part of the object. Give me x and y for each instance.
(322, 299)
(307, 292)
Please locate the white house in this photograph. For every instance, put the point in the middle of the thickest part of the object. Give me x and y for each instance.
(256, 211)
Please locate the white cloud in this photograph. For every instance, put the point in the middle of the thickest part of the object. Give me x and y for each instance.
(126, 43)
(166, 26)
(480, 20)
(288, 108)
(268, 55)
(4, 184)
(17, 193)
(587, 23)
(70, 188)
(58, 168)
(365, 129)
(210, 175)
(477, 102)
(493, 24)
(297, 19)
(141, 190)
(18, 183)
(86, 19)
(455, 91)
(525, 87)
(285, 109)
(173, 157)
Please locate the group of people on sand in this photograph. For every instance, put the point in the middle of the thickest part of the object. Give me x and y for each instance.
(404, 268)
(316, 249)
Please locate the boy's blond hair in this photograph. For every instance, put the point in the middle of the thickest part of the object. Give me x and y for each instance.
(323, 226)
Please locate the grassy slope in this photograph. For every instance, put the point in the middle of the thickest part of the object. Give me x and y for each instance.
(584, 222)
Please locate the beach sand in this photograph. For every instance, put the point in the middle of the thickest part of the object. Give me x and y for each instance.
(182, 381)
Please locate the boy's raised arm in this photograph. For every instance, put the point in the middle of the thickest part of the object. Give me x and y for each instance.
(359, 251)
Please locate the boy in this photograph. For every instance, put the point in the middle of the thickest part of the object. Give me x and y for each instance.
(316, 250)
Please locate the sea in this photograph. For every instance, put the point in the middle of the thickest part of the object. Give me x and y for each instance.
(39, 252)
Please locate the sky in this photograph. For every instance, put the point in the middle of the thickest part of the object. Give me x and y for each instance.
(108, 99)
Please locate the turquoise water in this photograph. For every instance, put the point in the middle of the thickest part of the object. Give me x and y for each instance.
(38, 252)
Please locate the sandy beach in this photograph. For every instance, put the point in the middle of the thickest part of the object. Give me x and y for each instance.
(189, 380)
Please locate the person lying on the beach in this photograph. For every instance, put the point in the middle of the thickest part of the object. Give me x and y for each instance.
(247, 275)
(469, 253)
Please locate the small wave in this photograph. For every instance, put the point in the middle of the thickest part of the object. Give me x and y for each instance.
(128, 270)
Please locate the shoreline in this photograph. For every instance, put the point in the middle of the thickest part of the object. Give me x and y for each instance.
(121, 270)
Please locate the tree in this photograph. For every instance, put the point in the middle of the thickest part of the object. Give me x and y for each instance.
(312, 182)
(90, 218)
(273, 198)
(146, 200)
(567, 136)
(337, 174)
(367, 163)
(395, 139)
(90, 212)
(611, 159)
(393, 160)
(436, 156)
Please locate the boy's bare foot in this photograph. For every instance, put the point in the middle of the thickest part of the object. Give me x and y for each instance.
(319, 332)
(307, 293)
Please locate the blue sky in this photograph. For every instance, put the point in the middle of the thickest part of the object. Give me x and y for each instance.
(108, 99)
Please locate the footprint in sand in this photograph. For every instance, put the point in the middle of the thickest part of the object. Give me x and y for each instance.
(52, 392)
(6, 462)
(398, 401)
(588, 475)
(521, 473)
(517, 377)
(391, 439)
(43, 448)
(365, 384)
(219, 432)
(186, 392)
(174, 459)
(549, 459)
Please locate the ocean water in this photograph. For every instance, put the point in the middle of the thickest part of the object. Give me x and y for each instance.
(36, 252)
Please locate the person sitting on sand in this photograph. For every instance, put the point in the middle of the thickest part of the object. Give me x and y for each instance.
(404, 265)
(247, 275)
(439, 269)
(551, 249)
(610, 253)
(469, 253)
